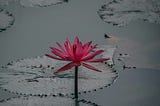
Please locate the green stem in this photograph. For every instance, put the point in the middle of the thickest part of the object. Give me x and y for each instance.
(76, 83)
(76, 102)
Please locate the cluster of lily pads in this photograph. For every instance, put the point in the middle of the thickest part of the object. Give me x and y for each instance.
(116, 12)
(7, 19)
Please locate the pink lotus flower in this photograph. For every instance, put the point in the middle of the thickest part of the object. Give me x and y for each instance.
(77, 53)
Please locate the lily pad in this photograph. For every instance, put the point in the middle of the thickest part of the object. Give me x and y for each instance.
(40, 3)
(35, 76)
(33, 3)
(6, 20)
(122, 12)
(45, 101)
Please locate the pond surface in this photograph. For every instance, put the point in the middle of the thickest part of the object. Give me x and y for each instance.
(36, 29)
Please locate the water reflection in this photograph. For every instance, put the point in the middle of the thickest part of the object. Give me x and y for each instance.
(76, 102)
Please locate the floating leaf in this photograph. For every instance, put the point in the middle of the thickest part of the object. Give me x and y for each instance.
(45, 101)
(6, 20)
(122, 12)
(36, 76)
(33, 3)
(40, 3)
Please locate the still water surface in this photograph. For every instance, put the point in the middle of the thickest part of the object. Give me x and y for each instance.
(35, 29)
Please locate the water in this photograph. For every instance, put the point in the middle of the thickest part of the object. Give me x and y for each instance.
(35, 29)
(138, 87)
